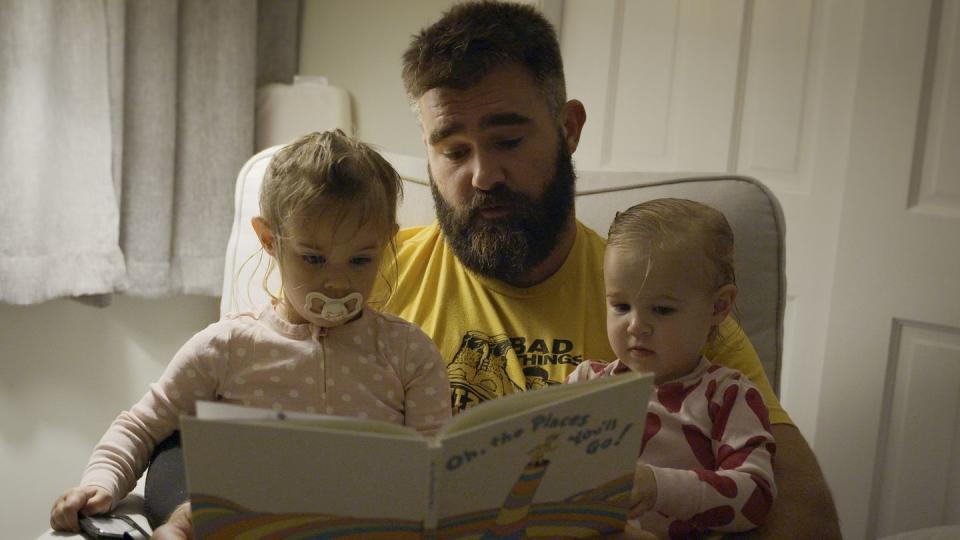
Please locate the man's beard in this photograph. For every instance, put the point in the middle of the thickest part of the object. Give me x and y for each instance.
(516, 243)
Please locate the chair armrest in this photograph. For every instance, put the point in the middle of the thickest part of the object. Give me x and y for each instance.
(131, 505)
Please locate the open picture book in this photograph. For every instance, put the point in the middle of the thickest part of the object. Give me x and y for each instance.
(556, 462)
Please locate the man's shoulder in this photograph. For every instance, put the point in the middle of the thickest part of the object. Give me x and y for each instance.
(417, 246)
(591, 239)
(587, 254)
(415, 249)
(416, 236)
(726, 376)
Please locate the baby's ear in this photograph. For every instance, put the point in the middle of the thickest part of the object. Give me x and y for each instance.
(723, 300)
(264, 234)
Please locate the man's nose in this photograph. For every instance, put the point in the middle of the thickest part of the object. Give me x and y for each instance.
(488, 171)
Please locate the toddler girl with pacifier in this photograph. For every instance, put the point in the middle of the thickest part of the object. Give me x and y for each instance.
(328, 212)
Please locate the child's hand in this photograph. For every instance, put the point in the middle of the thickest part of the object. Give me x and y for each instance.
(87, 499)
(178, 527)
(633, 532)
(644, 493)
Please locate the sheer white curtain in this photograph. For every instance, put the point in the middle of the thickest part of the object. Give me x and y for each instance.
(58, 204)
(122, 127)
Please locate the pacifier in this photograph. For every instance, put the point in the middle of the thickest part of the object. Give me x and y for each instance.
(334, 310)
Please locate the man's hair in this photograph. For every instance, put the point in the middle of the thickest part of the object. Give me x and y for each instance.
(472, 39)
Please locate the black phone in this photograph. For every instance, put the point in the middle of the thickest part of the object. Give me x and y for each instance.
(112, 526)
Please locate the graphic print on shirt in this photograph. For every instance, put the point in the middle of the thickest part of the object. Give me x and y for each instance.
(544, 352)
(478, 371)
(536, 377)
(537, 356)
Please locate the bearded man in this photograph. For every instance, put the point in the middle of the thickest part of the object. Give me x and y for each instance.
(507, 282)
(507, 262)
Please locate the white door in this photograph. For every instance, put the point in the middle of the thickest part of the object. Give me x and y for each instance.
(763, 89)
(889, 429)
(850, 111)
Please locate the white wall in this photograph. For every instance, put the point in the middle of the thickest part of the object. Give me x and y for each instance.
(357, 45)
(66, 370)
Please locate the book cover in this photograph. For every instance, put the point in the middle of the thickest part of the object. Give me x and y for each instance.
(556, 462)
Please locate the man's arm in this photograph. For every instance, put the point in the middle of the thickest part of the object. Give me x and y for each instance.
(804, 506)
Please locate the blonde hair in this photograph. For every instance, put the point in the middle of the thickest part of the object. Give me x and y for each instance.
(670, 224)
(324, 172)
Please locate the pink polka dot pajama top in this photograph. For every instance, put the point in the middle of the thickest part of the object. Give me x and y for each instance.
(707, 439)
(378, 367)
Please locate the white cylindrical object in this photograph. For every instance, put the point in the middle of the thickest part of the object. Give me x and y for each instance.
(287, 111)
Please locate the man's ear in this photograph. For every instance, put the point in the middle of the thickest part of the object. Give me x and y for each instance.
(572, 117)
(723, 300)
(264, 234)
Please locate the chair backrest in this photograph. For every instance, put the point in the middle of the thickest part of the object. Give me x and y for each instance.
(752, 210)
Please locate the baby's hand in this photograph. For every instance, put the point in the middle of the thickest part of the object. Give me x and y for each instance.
(178, 527)
(87, 499)
(634, 532)
(644, 493)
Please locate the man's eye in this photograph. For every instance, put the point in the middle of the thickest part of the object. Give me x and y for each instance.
(663, 310)
(455, 154)
(508, 144)
(314, 259)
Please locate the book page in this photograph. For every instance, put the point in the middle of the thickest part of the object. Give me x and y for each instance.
(215, 410)
(558, 457)
(300, 476)
(498, 409)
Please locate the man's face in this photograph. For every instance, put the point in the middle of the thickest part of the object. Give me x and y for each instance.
(501, 173)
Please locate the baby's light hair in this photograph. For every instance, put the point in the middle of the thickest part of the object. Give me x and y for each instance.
(663, 225)
(328, 172)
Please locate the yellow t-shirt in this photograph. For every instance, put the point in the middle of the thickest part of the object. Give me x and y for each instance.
(497, 339)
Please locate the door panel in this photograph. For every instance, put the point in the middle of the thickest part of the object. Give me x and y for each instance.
(659, 80)
(891, 374)
(921, 426)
